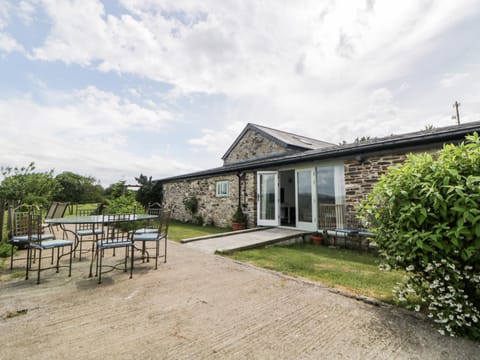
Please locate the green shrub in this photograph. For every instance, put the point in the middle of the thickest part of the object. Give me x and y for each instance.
(5, 250)
(191, 204)
(426, 215)
(124, 205)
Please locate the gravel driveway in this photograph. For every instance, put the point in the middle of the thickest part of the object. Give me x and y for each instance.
(200, 306)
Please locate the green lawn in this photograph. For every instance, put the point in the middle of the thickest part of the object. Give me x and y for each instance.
(347, 270)
(179, 231)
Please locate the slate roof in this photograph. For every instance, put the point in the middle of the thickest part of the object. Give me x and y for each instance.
(282, 138)
(407, 142)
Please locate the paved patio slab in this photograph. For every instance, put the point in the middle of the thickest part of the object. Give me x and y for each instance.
(243, 240)
(200, 306)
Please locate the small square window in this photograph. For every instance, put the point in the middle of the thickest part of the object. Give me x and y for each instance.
(222, 188)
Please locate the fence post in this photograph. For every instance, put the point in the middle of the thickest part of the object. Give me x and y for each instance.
(2, 217)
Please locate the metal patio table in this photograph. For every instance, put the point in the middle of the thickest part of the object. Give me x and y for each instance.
(94, 220)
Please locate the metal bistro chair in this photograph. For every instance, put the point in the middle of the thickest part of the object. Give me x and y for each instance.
(19, 230)
(36, 242)
(151, 226)
(86, 232)
(115, 235)
(161, 233)
(56, 210)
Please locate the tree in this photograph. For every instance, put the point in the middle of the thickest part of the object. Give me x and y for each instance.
(28, 186)
(117, 189)
(78, 189)
(149, 191)
(426, 217)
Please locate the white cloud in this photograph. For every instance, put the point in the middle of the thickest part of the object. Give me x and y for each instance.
(25, 10)
(85, 130)
(242, 48)
(331, 70)
(449, 80)
(217, 142)
(9, 44)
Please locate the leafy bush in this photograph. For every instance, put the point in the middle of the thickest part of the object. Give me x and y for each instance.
(149, 192)
(5, 250)
(426, 215)
(123, 205)
(191, 204)
(28, 186)
(239, 216)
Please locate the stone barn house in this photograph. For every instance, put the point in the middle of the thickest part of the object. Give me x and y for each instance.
(283, 179)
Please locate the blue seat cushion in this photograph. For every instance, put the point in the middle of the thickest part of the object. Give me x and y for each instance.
(146, 230)
(89, 232)
(113, 244)
(25, 238)
(49, 244)
(148, 237)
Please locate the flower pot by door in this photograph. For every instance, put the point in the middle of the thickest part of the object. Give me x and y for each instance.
(237, 226)
(317, 239)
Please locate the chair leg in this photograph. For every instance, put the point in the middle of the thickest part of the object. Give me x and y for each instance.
(99, 268)
(131, 261)
(80, 249)
(11, 256)
(39, 265)
(27, 267)
(58, 260)
(157, 253)
(70, 265)
(165, 255)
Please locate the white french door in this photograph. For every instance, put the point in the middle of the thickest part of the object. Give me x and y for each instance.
(306, 199)
(267, 198)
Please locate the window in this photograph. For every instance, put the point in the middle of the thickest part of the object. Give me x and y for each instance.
(331, 196)
(222, 188)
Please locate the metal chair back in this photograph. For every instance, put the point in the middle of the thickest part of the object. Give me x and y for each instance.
(51, 210)
(60, 210)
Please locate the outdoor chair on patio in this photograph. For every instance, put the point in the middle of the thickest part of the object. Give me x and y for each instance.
(148, 238)
(86, 232)
(37, 242)
(114, 235)
(19, 230)
(337, 223)
(56, 210)
(152, 225)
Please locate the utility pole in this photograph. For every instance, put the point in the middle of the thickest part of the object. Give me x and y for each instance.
(456, 105)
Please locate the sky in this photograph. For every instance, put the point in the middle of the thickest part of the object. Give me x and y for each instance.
(115, 89)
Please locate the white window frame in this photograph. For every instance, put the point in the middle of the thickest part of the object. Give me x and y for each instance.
(222, 188)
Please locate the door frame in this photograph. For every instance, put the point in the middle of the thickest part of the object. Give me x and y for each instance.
(276, 220)
(303, 225)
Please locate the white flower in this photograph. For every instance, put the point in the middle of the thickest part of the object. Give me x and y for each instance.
(410, 268)
(417, 308)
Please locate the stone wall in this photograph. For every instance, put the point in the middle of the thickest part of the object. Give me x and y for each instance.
(214, 210)
(253, 145)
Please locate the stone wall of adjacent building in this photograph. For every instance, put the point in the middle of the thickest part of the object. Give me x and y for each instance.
(213, 210)
(361, 176)
(253, 145)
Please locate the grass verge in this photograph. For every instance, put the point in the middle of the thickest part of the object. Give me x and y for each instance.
(178, 231)
(347, 270)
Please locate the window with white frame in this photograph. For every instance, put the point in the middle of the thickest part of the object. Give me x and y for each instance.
(222, 188)
(331, 196)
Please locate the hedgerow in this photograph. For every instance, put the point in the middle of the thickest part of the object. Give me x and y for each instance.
(426, 217)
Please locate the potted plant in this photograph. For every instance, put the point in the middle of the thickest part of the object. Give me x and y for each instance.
(317, 239)
(239, 220)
